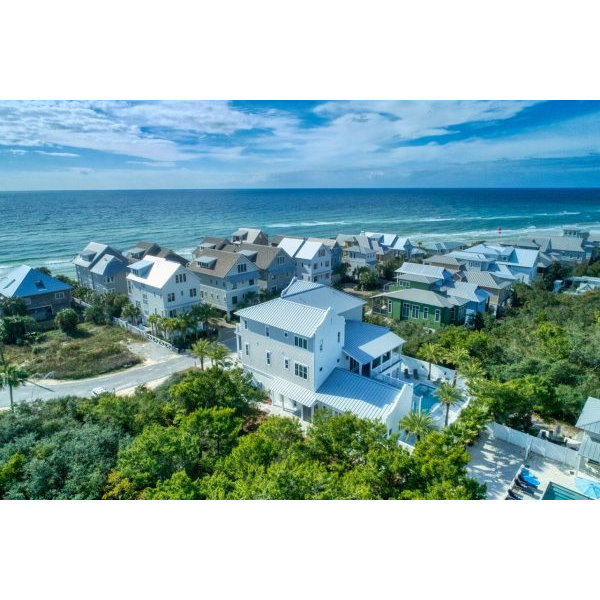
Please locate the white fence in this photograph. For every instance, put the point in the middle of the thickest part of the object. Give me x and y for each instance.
(544, 448)
(137, 331)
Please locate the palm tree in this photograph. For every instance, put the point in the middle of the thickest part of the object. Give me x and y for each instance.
(218, 354)
(208, 315)
(431, 353)
(456, 356)
(201, 350)
(418, 424)
(181, 325)
(11, 377)
(169, 326)
(448, 395)
(472, 371)
(131, 313)
(154, 320)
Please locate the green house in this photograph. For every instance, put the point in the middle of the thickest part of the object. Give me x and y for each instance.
(429, 308)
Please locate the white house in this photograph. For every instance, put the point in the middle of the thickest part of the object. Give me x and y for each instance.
(310, 350)
(163, 287)
(313, 259)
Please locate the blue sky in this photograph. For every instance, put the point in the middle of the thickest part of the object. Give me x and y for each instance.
(262, 144)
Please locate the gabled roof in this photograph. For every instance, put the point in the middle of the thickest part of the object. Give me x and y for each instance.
(291, 245)
(263, 256)
(502, 270)
(320, 296)
(155, 271)
(468, 291)
(443, 246)
(290, 316)
(416, 277)
(486, 279)
(210, 242)
(345, 391)
(427, 270)
(152, 249)
(308, 250)
(109, 265)
(224, 262)
(329, 242)
(589, 419)
(365, 342)
(94, 252)
(425, 297)
(25, 281)
(249, 234)
(448, 261)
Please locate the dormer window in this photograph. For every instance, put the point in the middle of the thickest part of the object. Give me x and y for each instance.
(242, 268)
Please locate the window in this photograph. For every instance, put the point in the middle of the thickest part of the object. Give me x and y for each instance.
(170, 297)
(268, 357)
(138, 304)
(245, 324)
(267, 331)
(234, 300)
(405, 309)
(300, 342)
(145, 298)
(247, 347)
(425, 312)
(251, 282)
(242, 268)
(281, 260)
(172, 313)
(59, 295)
(193, 292)
(322, 252)
(181, 278)
(415, 311)
(286, 364)
(109, 280)
(339, 336)
(300, 370)
(389, 307)
(129, 287)
(321, 346)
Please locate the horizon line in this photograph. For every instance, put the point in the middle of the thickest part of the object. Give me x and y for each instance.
(262, 189)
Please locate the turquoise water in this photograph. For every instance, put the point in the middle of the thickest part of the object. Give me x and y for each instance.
(428, 400)
(558, 492)
(49, 228)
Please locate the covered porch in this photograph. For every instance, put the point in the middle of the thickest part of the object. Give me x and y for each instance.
(371, 349)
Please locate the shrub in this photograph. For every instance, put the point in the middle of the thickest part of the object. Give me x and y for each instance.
(67, 320)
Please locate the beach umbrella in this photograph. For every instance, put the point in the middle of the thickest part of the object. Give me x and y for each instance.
(588, 488)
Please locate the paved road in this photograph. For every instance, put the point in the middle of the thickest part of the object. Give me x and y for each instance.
(120, 380)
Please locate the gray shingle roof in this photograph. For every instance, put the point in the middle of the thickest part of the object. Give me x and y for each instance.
(225, 262)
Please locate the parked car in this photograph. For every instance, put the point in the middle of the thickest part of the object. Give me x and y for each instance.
(98, 391)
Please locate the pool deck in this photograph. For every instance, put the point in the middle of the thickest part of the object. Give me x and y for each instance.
(496, 463)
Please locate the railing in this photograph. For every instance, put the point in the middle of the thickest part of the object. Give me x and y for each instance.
(140, 332)
(393, 381)
(390, 362)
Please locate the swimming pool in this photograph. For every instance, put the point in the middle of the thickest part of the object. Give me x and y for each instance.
(429, 398)
(558, 492)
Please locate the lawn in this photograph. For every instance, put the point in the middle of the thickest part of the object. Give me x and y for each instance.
(92, 350)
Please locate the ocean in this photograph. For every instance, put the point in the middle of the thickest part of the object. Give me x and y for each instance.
(49, 228)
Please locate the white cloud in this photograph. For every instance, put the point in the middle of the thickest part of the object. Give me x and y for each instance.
(61, 154)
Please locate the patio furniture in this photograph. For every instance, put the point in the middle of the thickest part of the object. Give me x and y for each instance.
(528, 480)
(524, 488)
(529, 477)
(406, 374)
(416, 373)
(513, 496)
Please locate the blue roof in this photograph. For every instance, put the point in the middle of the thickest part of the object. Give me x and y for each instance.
(25, 281)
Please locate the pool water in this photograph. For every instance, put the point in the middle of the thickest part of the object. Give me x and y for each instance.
(558, 492)
(429, 398)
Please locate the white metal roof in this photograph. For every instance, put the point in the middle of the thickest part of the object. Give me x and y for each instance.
(365, 342)
(320, 296)
(308, 250)
(345, 391)
(290, 316)
(419, 269)
(469, 291)
(589, 419)
(291, 245)
(161, 270)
